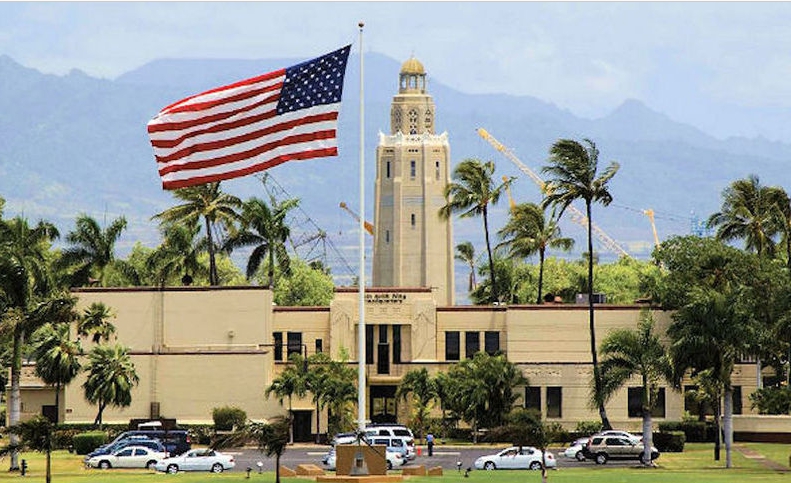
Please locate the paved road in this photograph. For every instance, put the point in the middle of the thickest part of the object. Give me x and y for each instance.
(446, 457)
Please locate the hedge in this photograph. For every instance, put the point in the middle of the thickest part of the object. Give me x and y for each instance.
(86, 442)
(695, 431)
(670, 442)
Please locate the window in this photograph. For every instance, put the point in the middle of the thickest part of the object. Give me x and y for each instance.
(554, 402)
(388, 169)
(533, 398)
(294, 343)
(277, 337)
(396, 344)
(737, 399)
(387, 236)
(491, 342)
(413, 117)
(436, 170)
(412, 169)
(412, 219)
(692, 405)
(319, 346)
(383, 334)
(635, 403)
(369, 344)
(472, 344)
(452, 349)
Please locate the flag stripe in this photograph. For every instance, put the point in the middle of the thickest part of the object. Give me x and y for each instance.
(251, 125)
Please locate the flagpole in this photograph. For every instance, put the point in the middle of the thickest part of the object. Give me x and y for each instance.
(361, 277)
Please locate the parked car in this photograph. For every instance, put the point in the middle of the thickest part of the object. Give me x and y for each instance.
(197, 460)
(129, 457)
(394, 431)
(396, 445)
(604, 448)
(576, 449)
(513, 458)
(153, 444)
(394, 460)
(624, 434)
(176, 441)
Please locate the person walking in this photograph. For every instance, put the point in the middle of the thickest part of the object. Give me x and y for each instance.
(430, 444)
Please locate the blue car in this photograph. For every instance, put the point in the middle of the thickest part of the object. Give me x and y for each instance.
(152, 444)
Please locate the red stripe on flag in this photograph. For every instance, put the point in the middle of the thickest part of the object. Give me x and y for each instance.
(246, 82)
(318, 153)
(232, 141)
(242, 155)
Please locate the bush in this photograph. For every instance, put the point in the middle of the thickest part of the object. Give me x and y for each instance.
(670, 442)
(588, 427)
(86, 442)
(200, 433)
(772, 400)
(694, 431)
(228, 417)
(63, 438)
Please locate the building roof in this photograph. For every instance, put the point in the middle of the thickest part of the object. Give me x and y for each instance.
(412, 66)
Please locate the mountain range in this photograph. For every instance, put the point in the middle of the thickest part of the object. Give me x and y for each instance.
(76, 144)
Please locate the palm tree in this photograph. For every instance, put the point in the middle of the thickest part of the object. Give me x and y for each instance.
(418, 384)
(271, 438)
(627, 353)
(57, 358)
(264, 228)
(92, 250)
(178, 254)
(465, 252)
(528, 232)
(36, 434)
(293, 381)
(204, 202)
(111, 378)
(470, 195)
(574, 175)
(95, 321)
(749, 212)
(27, 298)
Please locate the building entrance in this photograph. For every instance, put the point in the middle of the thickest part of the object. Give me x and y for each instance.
(383, 404)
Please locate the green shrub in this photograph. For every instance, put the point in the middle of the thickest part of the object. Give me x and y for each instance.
(200, 433)
(772, 400)
(63, 438)
(669, 442)
(228, 417)
(588, 427)
(694, 431)
(86, 442)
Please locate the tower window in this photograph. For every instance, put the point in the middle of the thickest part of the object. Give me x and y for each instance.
(388, 169)
(396, 120)
(387, 236)
(413, 121)
(427, 119)
(412, 169)
(412, 216)
(436, 170)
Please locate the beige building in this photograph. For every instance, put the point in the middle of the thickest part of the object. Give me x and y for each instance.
(199, 348)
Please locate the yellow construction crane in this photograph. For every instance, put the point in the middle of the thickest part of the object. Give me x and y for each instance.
(650, 214)
(576, 215)
(368, 227)
(511, 201)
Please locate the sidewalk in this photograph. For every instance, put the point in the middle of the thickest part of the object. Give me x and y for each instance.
(754, 455)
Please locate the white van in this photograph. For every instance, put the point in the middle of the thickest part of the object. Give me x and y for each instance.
(393, 431)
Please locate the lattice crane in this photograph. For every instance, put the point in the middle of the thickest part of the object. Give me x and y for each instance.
(576, 215)
(368, 226)
(650, 214)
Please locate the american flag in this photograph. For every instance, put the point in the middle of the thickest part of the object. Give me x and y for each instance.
(251, 125)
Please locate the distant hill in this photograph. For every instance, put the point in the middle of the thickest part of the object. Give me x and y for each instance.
(72, 144)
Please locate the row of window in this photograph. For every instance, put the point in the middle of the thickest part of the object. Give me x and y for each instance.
(413, 170)
(472, 344)
(293, 345)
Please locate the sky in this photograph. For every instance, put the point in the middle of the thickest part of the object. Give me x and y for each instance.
(723, 67)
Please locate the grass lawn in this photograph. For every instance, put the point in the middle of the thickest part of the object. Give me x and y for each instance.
(694, 465)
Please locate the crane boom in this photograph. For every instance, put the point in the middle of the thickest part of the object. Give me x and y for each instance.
(576, 215)
(650, 214)
(368, 227)
(511, 201)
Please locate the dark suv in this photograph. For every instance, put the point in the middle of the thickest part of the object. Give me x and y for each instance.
(602, 448)
(176, 441)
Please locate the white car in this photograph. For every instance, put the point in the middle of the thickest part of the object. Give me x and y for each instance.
(197, 460)
(623, 434)
(393, 459)
(515, 458)
(575, 449)
(129, 457)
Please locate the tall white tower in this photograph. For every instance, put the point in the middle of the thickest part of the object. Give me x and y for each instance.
(413, 246)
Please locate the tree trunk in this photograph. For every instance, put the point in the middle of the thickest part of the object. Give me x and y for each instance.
(57, 402)
(49, 457)
(494, 295)
(277, 468)
(540, 274)
(290, 423)
(318, 424)
(648, 437)
(605, 422)
(543, 464)
(98, 420)
(728, 425)
(15, 399)
(717, 428)
(212, 261)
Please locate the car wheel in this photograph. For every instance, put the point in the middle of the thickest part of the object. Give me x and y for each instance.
(642, 458)
(535, 465)
(389, 465)
(216, 468)
(489, 466)
(579, 456)
(172, 469)
(105, 465)
(601, 459)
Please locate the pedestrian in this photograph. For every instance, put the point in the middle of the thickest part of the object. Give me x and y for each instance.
(430, 444)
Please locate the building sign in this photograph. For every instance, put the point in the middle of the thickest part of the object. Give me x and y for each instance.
(385, 298)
